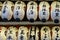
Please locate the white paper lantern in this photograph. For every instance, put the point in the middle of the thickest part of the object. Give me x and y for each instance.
(7, 10)
(11, 33)
(23, 33)
(19, 10)
(3, 31)
(32, 33)
(55, 11)
(45, 33)
(32, 11)
(44, 11)
(56, 33)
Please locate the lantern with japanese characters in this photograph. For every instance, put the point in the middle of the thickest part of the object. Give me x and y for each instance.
(11, 33)
(23, 33)
(19, 10)
(55, 11)
(45, 33)
(44, 11)
(32, 11)
(7, 10)
(56, 33)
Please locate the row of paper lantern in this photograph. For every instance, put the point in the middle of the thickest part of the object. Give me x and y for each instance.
(32, 12)
(23, 33)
